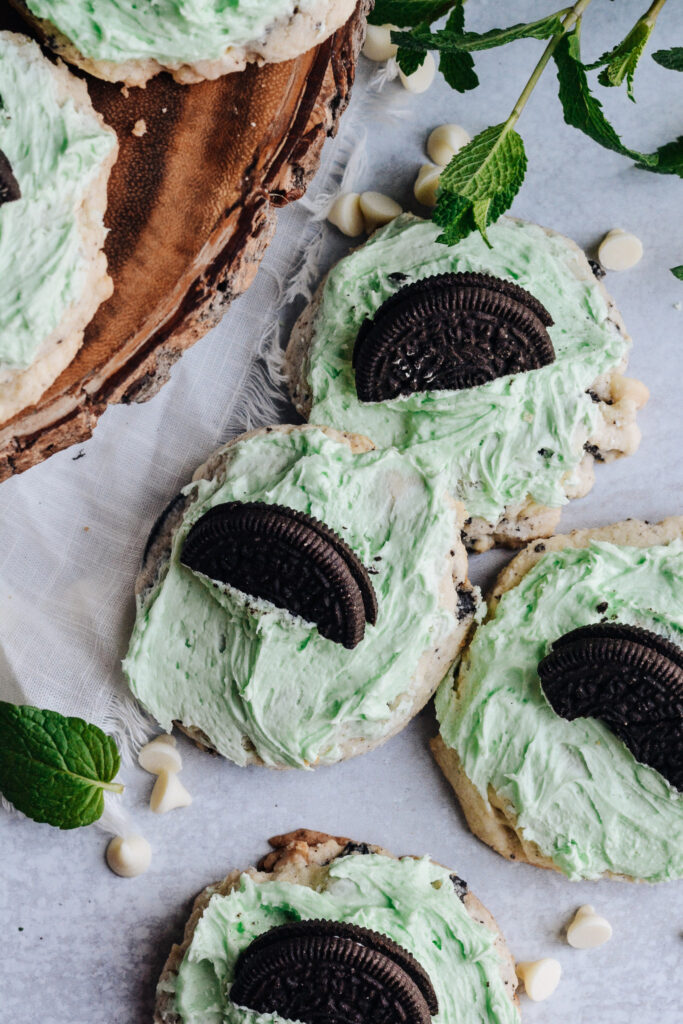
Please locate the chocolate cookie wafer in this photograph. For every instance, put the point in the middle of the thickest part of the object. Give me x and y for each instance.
(629, 678)
(448, 332)
(339, 972)
(288, 558)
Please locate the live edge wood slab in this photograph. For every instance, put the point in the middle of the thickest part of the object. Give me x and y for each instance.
(192, 207)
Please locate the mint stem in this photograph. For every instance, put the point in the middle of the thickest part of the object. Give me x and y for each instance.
(573, 15)
(653, 12)
(112, 787)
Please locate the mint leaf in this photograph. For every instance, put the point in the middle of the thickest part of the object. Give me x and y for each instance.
(581, 109)
(458, 68)
(53, 768)
(480, 182)
(405, 13)
(668, 159)
(409, 60)
(678, 272)
(671, 59)
(446, 40)
(621, 62)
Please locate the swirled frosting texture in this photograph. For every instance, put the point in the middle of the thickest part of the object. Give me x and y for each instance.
(411, 901)
(502, 441)
(169, 31)
(235, 667)
(575, 788)
(56, 152)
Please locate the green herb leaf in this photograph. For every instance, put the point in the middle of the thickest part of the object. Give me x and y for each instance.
(446, 40)
(458, 68)
(668, 159)
(621, 62)
(405, 13)
(678, 272)
(480, 183)
(581, 109)
(409, 60)
(671, 59)
(53, 768)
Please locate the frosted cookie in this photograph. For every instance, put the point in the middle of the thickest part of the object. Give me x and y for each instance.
(301, 600)
(513, 385)
(324, 921)
(123, 41)
(563, 732)
(56, 157)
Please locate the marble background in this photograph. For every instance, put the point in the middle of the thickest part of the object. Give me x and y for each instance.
(80, 946)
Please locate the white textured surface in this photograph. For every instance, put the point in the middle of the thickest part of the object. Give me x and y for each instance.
(81, 946)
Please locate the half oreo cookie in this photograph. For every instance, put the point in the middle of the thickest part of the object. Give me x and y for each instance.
(288, 558)
(629, 678)
(323, 972)
(9, 186)
(449, 332)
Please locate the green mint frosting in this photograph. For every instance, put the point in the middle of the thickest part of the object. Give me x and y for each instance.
(235, 667)
(411, 901)
(502, 441)
(55, 152)
(577, 791)
(169, 31)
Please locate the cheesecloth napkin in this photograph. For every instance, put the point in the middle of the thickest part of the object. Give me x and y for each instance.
(72, 530)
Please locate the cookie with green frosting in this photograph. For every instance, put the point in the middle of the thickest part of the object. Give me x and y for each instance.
(561, 733)
(234, 650)
(509, 380)
(360, 927)
(121, 41)
(57, 154)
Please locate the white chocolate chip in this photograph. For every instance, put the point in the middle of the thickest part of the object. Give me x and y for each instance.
(377, 210)
(140, 128)
(421, 79)
(540, 977)
(630, 388)
(426, 184)
(378, 45)
(346, 214)
(160, 755)
(445, 141)
(168, 793)
(620, 250)
(129, 856)
(588, 929)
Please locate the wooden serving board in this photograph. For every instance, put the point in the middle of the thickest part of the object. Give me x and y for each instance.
(191, 209)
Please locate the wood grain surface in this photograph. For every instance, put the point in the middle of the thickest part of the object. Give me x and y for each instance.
(191, 209)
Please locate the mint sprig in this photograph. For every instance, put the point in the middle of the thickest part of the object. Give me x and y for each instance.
(678, 272)
(55, 769)
(482, 180)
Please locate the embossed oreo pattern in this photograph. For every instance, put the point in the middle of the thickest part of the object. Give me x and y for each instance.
(449, 332)
(323, 972)
(630, 679)
(289, 558)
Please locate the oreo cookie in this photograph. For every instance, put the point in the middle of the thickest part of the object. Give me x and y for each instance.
(630, 679)
(9, 186)
(449, 332)
(288, 558)
(323, 972)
